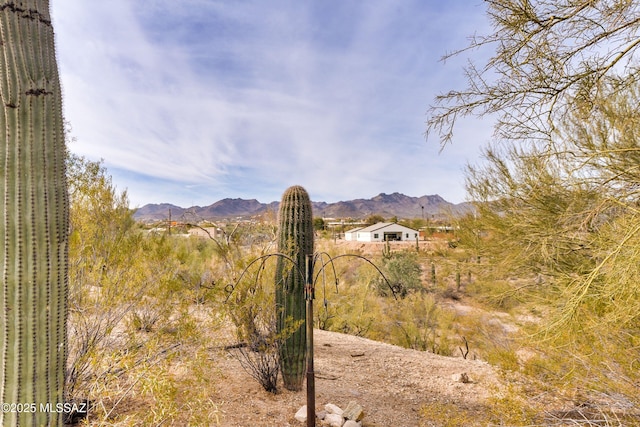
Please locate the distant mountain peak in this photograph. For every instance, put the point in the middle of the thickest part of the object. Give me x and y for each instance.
(391, 197)
(387, 205)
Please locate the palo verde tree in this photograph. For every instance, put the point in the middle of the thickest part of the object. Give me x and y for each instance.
(33, 218)
(571, 213)
(562, 83)
(106, 273)
(569, 218)
(557, 191)
(546, 53)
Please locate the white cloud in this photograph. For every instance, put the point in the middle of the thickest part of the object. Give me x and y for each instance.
(243, 99)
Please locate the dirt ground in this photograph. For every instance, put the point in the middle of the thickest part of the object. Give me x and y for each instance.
(390, 383)
(376, 248)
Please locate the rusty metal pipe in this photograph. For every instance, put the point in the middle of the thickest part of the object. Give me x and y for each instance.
(311, 386)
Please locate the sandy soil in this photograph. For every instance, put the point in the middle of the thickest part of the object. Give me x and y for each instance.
(391, 384)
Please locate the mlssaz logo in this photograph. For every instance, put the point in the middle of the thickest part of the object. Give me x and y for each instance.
(66, 407)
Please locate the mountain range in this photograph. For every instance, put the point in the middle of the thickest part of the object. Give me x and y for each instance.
(386, 205)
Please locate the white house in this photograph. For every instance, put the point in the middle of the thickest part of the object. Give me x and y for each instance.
(381, 232)
(351, 234)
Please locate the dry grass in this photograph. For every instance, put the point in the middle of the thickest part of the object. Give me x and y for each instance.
(174, 371)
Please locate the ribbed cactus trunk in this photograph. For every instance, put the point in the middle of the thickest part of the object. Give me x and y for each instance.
(295, 239)
(33, 219)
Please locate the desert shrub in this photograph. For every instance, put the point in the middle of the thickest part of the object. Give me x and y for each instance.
(362, 306)
(354, 306)
(129, 304)
(145, 318)
(197, 407)
(511, 406)
(504, 357)
(252, 310)
(109, 272)
(250, 305)
(508, 406)
(497, 294)
(420, 323)
(402, 271)
(446, 414)
(261, 361)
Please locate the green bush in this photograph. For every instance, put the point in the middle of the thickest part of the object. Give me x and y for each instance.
(402, 270)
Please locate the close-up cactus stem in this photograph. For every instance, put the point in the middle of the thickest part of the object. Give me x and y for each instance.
(295, 240)
(33, 219)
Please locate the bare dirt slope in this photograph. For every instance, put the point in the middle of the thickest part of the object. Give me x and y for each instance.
(391, 384)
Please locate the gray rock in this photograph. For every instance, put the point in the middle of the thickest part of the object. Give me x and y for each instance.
(333, 420)
(353, 412)
(461, 378)
(333, 409)
(351, 423)
(301, 415)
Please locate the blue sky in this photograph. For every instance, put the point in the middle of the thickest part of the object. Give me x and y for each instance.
(192, 101)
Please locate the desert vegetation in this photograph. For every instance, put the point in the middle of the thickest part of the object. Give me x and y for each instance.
(556, 193)
(150, 310)
(539, 280)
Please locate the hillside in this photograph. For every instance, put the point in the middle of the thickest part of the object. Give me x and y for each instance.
(387, 205)
(392, 384)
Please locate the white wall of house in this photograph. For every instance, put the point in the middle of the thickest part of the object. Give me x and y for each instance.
(364, 236)
(383, 231)
(214, 232)
(351, 234)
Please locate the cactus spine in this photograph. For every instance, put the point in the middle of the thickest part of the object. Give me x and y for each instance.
(33, 218)
(295, 239)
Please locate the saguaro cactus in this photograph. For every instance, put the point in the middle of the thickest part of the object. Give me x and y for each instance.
(295, 239)
(33, 219)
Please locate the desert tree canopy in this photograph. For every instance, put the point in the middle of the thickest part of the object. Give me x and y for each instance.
(546, 53)
(557, 190)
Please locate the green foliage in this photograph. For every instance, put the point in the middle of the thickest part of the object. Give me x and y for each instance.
(131, 299)
(295, 240)
(547, 53)
(403, 271)
(511, 407)
(33, 217)
(508, 407)
(418, 322)
(373, 219)
(318, 224)
(362, 306)
(354, 308)
(104, 277)
(556, 198)
(445, 414)
(570, 215)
